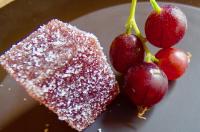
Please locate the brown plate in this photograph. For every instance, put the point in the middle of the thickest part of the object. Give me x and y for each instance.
(178, 112)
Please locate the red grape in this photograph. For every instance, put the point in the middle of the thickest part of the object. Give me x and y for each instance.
(145, 84)
(166, 28)
(173, 62)
(125, 51)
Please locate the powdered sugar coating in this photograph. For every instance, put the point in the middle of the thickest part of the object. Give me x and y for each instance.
(65, 69)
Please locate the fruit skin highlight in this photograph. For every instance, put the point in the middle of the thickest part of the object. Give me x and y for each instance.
(126, 50)
(165, 27)
(145, 84)
(173, 62)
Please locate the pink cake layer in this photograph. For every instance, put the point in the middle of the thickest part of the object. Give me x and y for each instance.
(65, 69)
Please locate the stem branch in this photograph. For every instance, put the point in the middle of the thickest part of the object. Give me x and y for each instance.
(155, 6)
(132, 25)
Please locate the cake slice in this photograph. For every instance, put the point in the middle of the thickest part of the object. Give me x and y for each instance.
(65, 69)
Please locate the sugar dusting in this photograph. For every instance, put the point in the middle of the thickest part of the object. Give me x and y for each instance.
(65, 69)
(99, 130)
(25, 99)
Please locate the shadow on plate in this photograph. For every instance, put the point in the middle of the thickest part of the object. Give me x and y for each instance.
(38, 119)
(171, 87)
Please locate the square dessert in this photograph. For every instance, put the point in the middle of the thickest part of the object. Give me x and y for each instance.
(65, 69)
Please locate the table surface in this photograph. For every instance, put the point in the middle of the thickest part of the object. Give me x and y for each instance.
(25, 15)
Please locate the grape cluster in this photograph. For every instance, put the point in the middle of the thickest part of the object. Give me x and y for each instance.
(146, 75)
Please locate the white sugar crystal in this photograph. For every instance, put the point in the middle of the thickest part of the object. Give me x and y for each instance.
(99, 130)
(51, 56)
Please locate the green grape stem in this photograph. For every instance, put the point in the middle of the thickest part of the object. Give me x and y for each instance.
(132, 25)
(155, 6)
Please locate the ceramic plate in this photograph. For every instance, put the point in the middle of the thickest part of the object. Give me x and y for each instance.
(177, 112)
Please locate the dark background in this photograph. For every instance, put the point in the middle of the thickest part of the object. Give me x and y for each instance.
(25, 15)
